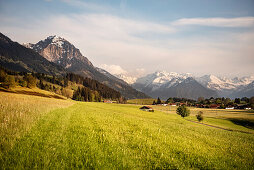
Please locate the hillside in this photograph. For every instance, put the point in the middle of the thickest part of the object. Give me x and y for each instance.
(90, 135)
(16, 57)
(70, 85)
(62, 52)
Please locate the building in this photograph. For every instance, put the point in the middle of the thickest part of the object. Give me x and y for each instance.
(146, 108)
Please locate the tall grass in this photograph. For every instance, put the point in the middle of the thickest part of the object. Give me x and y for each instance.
(18, 114)
(113, 136)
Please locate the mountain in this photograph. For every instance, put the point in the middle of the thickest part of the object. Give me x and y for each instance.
(62, 52)
(165, 85)
(127, 79)
(225, 86)
(247, 91)
(16, 57)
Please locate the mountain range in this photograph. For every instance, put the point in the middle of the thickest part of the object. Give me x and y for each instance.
(57, 56)
(172, 84)
(162, 83)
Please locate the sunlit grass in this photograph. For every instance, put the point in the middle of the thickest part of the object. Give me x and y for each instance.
(218, 117)
(19, 112)
(110, 136)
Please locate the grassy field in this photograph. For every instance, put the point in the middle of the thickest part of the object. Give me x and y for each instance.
(34, 92)
(148, 101)
(19, 112)
(232, 119)
(63, 135)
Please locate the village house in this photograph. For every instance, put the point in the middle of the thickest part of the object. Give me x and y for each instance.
(146, 108)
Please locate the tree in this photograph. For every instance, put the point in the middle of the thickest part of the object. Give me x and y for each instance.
(2, 75)
(158, 101)
(200, 116)
(245, 99)
(31, 81)
(170, 100)
(183, 111)
(251, 100)
(201, 100)
(67, 92)
(227, 101)
(237, 100)
(10, 81)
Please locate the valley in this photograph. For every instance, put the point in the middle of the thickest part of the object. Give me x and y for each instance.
(143, 85)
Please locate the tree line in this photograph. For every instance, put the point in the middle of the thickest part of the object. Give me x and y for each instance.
(70, 85)
(220, 102)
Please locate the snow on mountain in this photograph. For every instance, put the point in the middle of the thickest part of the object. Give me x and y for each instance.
(163, 84)
(58, 41)
(159, 78)
(223, 83)
(127, 79)
(59, 51)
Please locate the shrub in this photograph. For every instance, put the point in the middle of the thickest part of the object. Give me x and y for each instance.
(31, 81)
(67, 92)
(9, 81)
(183, 111)
(200, 116)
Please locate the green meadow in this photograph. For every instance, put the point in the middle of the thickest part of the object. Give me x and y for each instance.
(46, 133)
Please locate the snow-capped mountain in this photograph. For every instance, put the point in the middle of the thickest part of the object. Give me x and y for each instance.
(163, 84)
(225, 86)
(160, 78)
(63, 53)
(127, 79)
(247, 91)
(223, 83)
(60, 51)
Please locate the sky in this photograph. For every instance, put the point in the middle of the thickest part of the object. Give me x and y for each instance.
(136, 37)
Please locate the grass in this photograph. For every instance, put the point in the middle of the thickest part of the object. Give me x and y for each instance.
(18, 113)
(114, 136)
(148, 101)
(32, 91)
(230, 119)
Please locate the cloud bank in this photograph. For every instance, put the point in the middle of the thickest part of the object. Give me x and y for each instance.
(217, 22)
(131, 43)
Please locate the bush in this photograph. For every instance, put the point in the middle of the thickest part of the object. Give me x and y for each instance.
(23, 83)
(9, 81)
(67, 92)
(31, 81)
(183, 111)
(200, 116)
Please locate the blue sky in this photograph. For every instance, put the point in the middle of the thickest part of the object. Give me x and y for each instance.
(138, 37)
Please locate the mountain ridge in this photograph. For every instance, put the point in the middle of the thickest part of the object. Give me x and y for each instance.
(62, 52)
(16, 57)
(224, 87)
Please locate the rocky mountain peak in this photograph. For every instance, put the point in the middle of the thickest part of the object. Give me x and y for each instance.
(58, 50)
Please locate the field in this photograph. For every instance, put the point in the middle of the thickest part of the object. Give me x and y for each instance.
(148, 101)
(46, 133)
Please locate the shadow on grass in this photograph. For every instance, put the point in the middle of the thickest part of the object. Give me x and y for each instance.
(243, 122)
(32, 93)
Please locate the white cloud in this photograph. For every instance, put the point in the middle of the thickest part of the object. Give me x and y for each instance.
(113, 69)
(217, 22)
(108, 39)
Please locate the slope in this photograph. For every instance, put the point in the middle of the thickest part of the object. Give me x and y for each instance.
(65, 54)
(16, 57)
